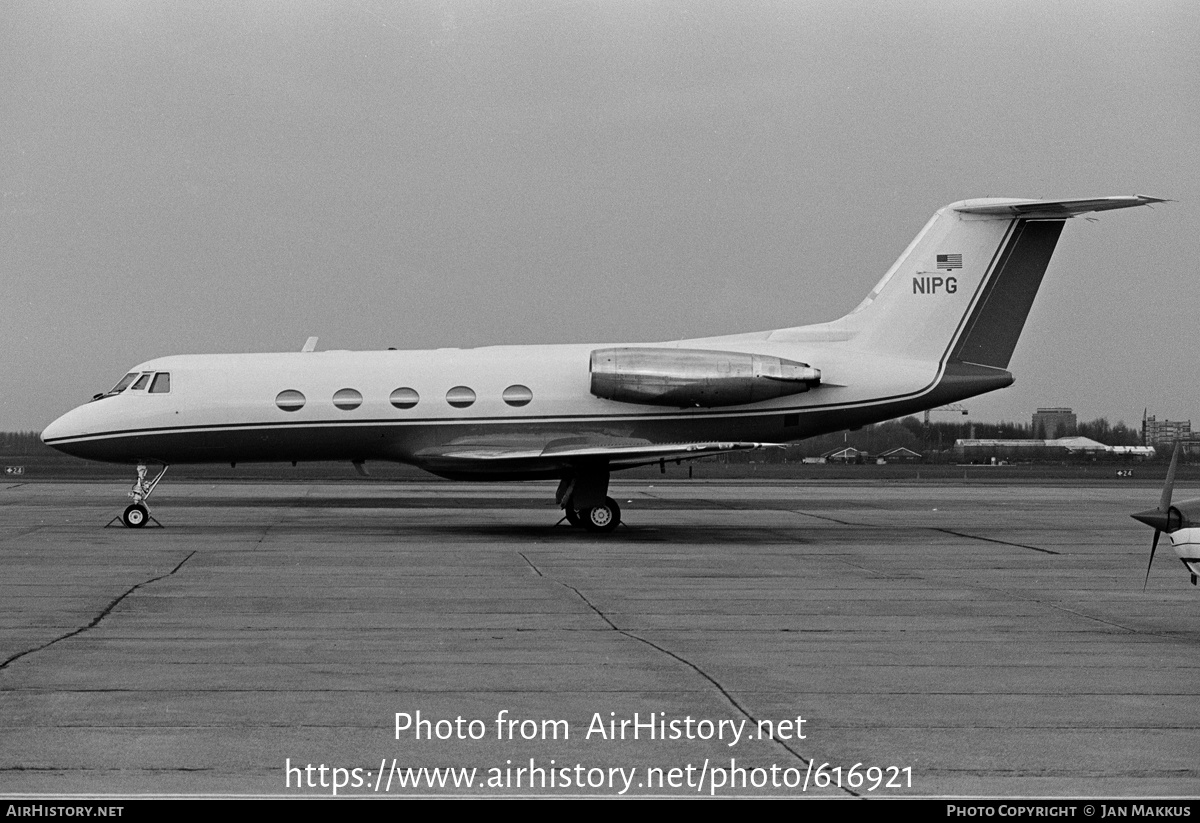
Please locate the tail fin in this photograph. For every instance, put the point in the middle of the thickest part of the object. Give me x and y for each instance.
(964, 286)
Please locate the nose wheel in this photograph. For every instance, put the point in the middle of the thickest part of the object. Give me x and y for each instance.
(137, 514)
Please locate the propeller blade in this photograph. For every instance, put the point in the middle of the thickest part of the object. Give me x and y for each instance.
(1169, 484)
(1153, 546)
(1160, 519)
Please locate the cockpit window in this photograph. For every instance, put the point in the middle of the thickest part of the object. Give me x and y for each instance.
(162, 383)
(123, 384)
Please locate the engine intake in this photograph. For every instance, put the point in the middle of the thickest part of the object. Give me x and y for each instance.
(694, 377)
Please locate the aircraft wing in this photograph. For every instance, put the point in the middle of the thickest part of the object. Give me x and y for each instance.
(481, 458)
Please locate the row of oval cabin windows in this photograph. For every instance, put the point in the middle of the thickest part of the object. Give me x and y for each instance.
(459, 397)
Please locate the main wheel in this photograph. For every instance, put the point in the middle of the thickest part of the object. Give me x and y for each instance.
(135, 516)
(602, 518)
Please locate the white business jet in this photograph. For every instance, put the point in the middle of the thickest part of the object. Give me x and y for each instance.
(939, 327)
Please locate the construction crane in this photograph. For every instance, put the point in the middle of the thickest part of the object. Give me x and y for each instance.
(952, 407)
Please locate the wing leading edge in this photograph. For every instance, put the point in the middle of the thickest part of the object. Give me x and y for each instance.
(487, 459)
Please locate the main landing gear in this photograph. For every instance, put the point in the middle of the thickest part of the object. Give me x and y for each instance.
(585, 503)
(602, 518)
(137, 513)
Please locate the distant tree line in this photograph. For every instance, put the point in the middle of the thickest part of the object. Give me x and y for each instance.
(23, 443)
(1118, 435)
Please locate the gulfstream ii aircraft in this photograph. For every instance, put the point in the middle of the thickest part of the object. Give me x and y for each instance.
(939, 327)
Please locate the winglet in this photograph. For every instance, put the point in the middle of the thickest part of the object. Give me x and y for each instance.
(310, 344)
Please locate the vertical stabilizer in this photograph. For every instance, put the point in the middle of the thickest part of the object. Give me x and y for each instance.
(964, 287)
(918, 307)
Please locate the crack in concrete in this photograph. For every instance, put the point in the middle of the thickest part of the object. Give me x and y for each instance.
(283, 512)
(807, 761)
(994, 540)
(869, 570)
(536, 570)
(826, 517)
(1076, 612)
(1018, 595)
(26, 533)
(96, 620)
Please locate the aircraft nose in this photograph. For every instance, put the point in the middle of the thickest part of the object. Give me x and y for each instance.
(69, 425)
(54, 431)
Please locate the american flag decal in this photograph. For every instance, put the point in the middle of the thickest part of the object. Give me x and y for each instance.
(949, 261)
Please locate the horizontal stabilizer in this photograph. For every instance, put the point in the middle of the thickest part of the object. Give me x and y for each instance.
(1051, 209)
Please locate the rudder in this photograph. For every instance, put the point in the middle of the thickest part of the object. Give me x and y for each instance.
(995, 324)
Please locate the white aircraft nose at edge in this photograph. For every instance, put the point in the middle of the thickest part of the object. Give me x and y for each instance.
(939, 327)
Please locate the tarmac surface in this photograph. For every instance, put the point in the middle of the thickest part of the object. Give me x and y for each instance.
(950, 639)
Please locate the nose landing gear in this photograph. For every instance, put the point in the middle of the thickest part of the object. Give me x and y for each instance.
(135, 516)
(137, 513)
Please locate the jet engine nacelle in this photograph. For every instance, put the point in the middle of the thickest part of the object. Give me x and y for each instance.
(695, 377)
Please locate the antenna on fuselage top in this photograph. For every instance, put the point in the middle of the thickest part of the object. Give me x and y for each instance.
(310, 344)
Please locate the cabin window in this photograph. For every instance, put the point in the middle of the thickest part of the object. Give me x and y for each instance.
(141, 382)
(460, 397)
(290, 400)
(517, 395)
(347, 399)
(161, 383)
(405, 398)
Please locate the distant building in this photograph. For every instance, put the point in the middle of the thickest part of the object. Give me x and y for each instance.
(1058, 449)
(900, 455)
(1165, 432)
(846, 454)
(1052, 424)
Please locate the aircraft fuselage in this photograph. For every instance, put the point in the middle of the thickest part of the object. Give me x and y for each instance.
(223, 408)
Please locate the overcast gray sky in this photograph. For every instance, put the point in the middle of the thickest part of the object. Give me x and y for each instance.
(225, 177)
